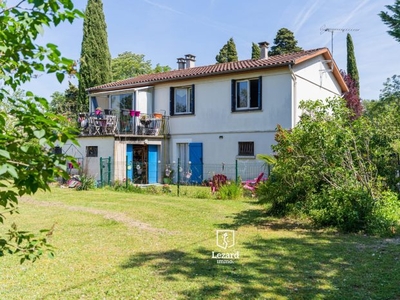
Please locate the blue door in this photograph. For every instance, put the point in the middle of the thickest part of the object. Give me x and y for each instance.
(152, 163)
(196, 159)
(129, 163)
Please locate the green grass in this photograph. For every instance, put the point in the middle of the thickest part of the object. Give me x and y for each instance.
(115, 245)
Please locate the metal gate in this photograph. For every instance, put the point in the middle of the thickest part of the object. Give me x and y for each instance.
(105, 171)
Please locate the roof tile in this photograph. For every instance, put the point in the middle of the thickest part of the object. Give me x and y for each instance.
(218, 68)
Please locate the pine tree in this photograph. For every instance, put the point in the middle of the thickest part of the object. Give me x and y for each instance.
(284, 43)
(255, 51)
(352, 70)
(95, 61)
(227, 53)
(393, 21)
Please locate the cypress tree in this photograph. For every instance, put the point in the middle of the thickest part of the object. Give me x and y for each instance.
(95, 61)
(351, 63)
(228, 52)
(255, 51)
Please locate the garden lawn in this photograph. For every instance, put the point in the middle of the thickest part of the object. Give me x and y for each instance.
(116, 245)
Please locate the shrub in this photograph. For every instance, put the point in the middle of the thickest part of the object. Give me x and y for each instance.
(230, 190)
(327, 168)
(86, 183)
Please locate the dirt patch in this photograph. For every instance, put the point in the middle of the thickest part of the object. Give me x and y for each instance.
(115, 216)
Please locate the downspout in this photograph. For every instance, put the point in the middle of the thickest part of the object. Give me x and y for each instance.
(294, 96)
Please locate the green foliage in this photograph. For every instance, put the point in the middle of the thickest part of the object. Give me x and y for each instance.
(66, 104)
(393, 21)
(128, 65)
(230, 190)
(29, 131)
(129, 188)
(95, 61)
(228, 52)
(284, 43)
(328, 168)
(255, 51)
(27, 245)
(86, 183)
(352, 70)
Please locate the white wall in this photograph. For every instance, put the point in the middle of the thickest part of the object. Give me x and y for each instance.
(91, 165)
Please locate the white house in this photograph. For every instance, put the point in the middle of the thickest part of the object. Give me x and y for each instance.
(203, 115)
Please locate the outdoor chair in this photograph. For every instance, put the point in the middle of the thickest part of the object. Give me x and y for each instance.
(251, 185)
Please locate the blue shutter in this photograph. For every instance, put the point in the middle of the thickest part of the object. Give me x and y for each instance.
(129, 163)
(196, 159)
(93, 100)
(152, 163)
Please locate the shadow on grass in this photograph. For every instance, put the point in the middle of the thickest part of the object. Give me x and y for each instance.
(312, 267)
(262, 220)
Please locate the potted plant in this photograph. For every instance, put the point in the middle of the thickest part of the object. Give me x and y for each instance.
(168, 175)
(144, 120)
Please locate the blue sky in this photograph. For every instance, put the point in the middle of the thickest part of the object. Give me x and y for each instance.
(164, 30)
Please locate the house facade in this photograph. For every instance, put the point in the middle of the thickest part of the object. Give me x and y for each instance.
(200, 116)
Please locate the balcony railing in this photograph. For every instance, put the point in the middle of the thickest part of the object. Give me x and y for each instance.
(130, 123)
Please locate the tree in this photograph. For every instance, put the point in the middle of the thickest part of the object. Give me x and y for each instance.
(227, 53)
(65, 103)
(327, 168)
(28, 130)
(284, 43)
(95, 61)
(393, 21)
(128, 65)
(255, 51)
(352, 70)
(352, 97)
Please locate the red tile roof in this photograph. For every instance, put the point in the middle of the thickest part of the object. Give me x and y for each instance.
(217, 69)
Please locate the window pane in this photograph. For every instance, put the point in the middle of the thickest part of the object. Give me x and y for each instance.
(241, 94)
(181, 100)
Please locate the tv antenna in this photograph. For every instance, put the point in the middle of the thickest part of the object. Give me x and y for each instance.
(331, 30)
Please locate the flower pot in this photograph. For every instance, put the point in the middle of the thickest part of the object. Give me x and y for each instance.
(132, 113)
(157, 115)
(137, 113)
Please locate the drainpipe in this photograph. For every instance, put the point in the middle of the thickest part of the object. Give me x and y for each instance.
(294, 96)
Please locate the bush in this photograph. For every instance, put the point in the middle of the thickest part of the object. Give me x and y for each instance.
(230, 190)
(327, 168)
(86, 183)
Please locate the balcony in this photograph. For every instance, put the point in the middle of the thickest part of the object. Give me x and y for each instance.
(127, 122)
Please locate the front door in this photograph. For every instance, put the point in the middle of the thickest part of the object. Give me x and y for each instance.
(140, 164)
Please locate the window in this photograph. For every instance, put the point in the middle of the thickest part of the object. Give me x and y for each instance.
(246, 94)
(91, 151)
(182, 100)
(246, 149)
(57, 150)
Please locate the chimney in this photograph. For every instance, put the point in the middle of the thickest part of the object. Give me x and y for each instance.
(264, 50)
(190, 59)
(181, 63)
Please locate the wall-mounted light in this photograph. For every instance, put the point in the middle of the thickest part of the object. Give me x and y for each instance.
(221, 137)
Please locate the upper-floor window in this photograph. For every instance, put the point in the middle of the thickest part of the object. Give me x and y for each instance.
(182, 100)
(246, 94)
